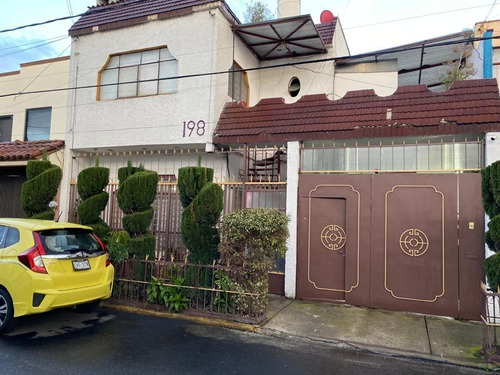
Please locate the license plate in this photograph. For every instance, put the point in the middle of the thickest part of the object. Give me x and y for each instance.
(80, 265)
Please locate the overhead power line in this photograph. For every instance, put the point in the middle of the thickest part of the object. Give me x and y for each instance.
(284, 65)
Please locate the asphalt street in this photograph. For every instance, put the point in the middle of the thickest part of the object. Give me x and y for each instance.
(113, 342)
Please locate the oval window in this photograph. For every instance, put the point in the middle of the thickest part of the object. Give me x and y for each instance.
(294, 87)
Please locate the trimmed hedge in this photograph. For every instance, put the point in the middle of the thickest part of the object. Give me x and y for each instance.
(136, 194)
(202, 201)
(91, 182)
(43, 179)
(490, 188)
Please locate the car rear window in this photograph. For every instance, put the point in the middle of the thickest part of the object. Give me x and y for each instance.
(71, 240)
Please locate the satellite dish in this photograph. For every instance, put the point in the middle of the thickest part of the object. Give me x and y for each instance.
(326, 16)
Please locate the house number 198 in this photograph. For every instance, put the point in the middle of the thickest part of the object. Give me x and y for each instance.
(191, 127)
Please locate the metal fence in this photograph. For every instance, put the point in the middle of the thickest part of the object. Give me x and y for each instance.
(195, 289)
(165, 225)
(491, 322)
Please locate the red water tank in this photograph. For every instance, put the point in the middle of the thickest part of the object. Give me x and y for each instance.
(326, 16)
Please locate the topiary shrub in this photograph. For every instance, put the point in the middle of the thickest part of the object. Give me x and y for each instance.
(90, 183)
(43, 179)
(135, 196)
(251, 239)
(202, 203)
(490, 187)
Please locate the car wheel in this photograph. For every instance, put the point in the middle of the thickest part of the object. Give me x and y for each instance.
(6, 312)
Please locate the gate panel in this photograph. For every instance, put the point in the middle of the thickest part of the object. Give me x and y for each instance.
(415, 260)
(414, 243)
(333, 256)
(471, 244)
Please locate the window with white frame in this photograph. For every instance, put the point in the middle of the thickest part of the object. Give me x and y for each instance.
(238, 84)
(141, 73)
(38, 124)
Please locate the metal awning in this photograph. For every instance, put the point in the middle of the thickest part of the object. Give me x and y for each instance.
(285, 37)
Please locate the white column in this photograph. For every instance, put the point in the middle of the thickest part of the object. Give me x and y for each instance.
(292, 190)
(491, 155)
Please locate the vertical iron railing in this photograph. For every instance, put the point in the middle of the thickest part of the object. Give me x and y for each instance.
(491, 323)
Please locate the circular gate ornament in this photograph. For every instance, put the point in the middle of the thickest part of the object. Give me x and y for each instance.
(414, 242)
(333, 237)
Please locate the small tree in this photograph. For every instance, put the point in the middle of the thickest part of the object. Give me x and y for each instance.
(460, 69)
(257, 12)
(43, 179)
(251, 239)
(91, 182)
(136, 194)
(491, 202)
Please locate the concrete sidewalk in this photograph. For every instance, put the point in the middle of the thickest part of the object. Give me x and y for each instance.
(414, 335)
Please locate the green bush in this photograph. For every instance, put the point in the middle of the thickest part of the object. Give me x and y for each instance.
(191, 180)
(43, 179)
(117, 245)
(138, 222)
(89, 210)
(492, 271)
(136, 194)
(203, 202)
(490, 187)
(138, 191)
(90, 183)
(251, 239)
(142, 246)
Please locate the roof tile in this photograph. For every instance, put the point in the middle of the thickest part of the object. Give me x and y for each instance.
(22, 151)
(473, 103)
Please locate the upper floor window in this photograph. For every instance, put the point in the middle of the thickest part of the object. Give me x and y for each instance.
(238, 84)
(38, 124)
(5, 128)
(139, 73)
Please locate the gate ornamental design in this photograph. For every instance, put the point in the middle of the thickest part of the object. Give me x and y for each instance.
(408, 242)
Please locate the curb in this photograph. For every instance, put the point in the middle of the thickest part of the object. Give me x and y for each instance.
(197, 319)
(379, 350)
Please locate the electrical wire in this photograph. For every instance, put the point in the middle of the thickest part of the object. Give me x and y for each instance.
(294, 64)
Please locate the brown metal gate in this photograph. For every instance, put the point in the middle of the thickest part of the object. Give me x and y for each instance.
(408, 242)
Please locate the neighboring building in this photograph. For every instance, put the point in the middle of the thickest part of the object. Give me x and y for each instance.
(383, 193)
(30, 123)
(487, 59)
(427, 62)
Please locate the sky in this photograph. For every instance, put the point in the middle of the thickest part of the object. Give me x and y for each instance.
(369, 25)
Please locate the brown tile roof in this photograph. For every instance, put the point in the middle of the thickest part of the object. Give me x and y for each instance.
(326, 31)
(22, 151)
(130, 12)
(468, 107)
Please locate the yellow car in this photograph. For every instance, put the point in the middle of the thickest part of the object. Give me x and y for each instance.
(46, 265)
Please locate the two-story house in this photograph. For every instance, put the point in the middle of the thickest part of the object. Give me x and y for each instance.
(30, 123)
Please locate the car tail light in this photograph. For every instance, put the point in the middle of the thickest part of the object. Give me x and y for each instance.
(32, 258)
(108, 262)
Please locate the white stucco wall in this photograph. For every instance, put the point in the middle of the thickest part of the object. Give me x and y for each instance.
(292, 189)
(381, 77)
(151, 120)
(35, 76)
